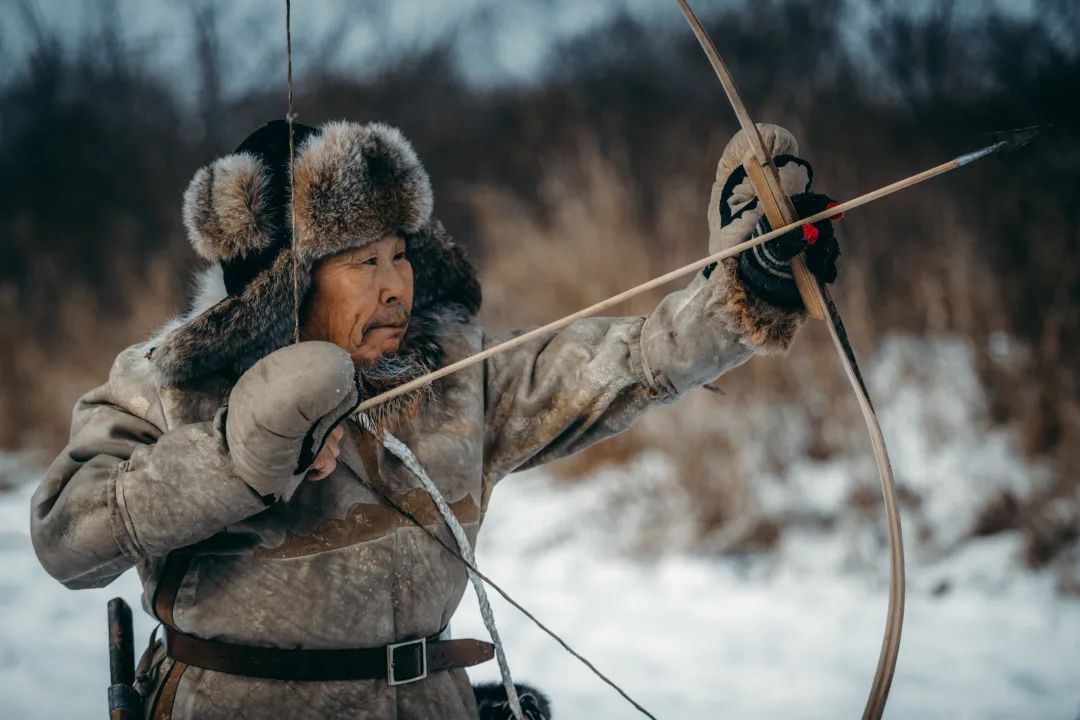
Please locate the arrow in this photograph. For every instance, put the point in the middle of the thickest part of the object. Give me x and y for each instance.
(684, 271)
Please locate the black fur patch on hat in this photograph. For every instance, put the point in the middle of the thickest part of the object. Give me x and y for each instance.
(226, 209)
(442, 272)
(354, 184)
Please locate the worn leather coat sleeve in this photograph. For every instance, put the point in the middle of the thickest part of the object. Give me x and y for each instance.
(558, 394)
(126, 488)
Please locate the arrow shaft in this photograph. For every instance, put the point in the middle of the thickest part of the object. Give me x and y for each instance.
(654, 283)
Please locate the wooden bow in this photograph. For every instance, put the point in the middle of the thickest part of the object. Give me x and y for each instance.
(781, 214)
(778, 209)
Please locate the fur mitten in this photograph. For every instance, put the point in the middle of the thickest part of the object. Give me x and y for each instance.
(282, 410)
(756, 303)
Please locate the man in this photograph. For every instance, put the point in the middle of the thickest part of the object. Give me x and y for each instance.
(270, 528)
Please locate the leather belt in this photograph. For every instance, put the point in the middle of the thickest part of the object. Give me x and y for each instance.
(399, 664)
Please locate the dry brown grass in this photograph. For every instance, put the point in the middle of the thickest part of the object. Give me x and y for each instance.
(591, 181)
(48, 372)
(585, 239)
(588, 240)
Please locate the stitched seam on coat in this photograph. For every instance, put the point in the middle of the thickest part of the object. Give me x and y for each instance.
(123, 528)
(659, 388)
(639, 358)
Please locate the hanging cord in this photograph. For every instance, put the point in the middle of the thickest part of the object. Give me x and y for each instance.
(290, 117)
(471, 567)
(406, 456)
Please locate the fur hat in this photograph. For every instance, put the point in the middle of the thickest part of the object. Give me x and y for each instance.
(354, 184)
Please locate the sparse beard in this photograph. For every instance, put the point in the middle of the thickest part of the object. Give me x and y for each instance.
(386, 373)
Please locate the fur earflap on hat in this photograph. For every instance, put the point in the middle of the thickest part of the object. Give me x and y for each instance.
(225, 209)
(354, 184)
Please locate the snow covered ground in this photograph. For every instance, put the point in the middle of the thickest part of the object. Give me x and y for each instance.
(696, 637)
(794, 633)
(688, 637)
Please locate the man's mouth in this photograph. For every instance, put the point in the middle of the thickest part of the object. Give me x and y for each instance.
(395, 321)
(396, 325)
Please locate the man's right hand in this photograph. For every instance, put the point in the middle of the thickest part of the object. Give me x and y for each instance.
(326, 460)
(282, 413)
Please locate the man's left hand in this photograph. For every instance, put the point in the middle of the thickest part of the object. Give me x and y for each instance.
(766, 269)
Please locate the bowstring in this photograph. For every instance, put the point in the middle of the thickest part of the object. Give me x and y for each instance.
(289, 118)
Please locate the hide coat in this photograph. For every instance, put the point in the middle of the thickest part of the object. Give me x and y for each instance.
(328, 564)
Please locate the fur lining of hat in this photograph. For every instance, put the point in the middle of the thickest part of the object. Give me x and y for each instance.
(354, 184)
(233, 334)
(209, 290)
(225, 208)
(224, 335)
(442, 271)
(765, 327)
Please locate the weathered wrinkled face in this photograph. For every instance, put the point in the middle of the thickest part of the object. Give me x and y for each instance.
(361, 300)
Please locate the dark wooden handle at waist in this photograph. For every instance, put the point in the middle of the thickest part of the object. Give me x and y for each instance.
(121, 643)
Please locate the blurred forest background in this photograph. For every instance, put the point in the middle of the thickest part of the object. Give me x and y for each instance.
(587, 177)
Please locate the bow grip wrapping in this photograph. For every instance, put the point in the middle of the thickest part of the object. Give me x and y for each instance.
(779, 210)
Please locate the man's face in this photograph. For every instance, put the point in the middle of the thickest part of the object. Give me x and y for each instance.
(361, 300)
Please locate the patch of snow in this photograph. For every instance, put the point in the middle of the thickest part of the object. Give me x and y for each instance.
(705, 637)
(935, 420)
(54, 656)
(689, 636)
(944, 452)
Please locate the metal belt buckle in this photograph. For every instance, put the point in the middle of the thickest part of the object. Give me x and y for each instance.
(392, 678)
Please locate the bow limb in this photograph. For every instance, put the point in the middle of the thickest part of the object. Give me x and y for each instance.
(779, 210)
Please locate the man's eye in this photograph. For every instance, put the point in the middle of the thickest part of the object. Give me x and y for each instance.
(373, 260)
(400, 256)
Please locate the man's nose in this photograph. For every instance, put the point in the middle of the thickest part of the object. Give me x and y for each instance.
(392, 288)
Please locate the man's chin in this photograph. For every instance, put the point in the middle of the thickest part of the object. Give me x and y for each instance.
(378, 343)
(389, 368)
(368, 357)
(387, 372)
